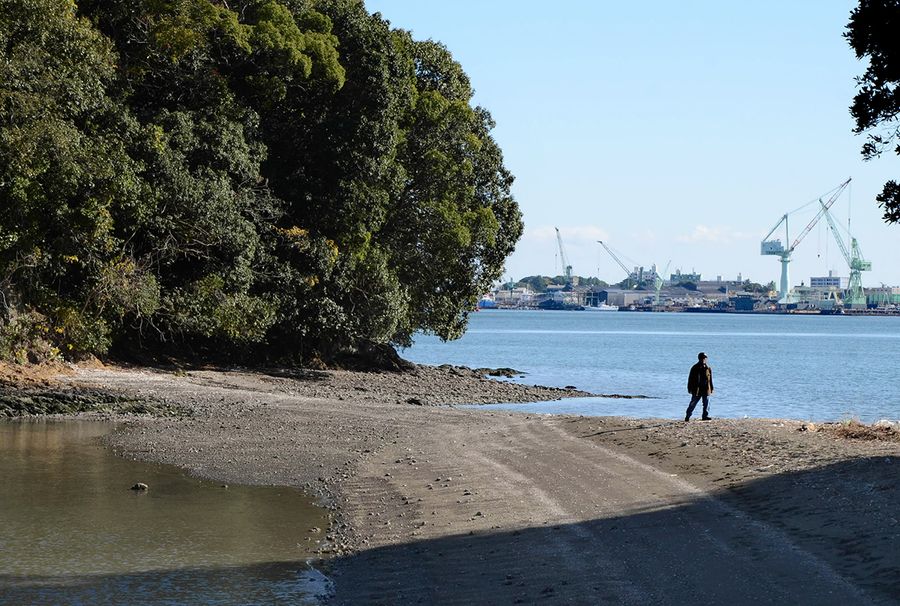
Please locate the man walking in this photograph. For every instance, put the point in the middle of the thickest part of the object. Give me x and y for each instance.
(700, 385)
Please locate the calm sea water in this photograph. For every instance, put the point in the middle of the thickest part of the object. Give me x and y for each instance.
(776, 366)
(73, 532)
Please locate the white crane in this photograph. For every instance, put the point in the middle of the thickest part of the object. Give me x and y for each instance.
(615, 258)
(775, 247)
(567, 269)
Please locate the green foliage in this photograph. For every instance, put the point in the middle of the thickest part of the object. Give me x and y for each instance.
(755, 287)
(872, 33)
(539, 284)
(207, 309)
(536, 283)
(271, 179)
(24, 338)
(63, 170)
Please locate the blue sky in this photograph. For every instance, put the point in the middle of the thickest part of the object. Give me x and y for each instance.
(674, 131)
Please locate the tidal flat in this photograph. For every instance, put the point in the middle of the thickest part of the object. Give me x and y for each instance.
(434, 503)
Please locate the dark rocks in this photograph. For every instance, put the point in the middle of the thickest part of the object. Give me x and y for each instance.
(509, 373)
(29, 401)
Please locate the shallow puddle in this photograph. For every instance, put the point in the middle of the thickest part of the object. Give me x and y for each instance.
(73, 532)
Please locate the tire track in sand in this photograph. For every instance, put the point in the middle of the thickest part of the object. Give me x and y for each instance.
(520, 511)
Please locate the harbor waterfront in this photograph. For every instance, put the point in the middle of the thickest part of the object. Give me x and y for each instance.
(821, 368)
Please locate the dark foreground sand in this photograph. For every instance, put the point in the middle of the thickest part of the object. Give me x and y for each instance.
(441, 505)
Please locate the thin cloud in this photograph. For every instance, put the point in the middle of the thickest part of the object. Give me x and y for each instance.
(578, 234)
(646, 236)
(717, 235)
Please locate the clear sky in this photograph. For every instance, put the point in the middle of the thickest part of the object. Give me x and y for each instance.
(674, 131)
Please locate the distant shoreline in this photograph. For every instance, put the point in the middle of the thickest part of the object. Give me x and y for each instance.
(700, 310)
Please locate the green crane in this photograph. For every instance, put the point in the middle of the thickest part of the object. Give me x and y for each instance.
(856, 296)
(659, 281)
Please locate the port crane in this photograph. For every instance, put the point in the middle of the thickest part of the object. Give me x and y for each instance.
(616, 258)
(659, 281)
(567, 269)
(856, 297)
(775, 247)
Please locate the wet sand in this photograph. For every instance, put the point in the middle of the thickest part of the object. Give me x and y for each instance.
(441, 505)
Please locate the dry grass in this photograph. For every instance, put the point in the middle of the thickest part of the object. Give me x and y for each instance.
(854, 430)
(32, 375)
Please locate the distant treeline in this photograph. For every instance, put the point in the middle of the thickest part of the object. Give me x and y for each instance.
(540, 284)
(288, 180)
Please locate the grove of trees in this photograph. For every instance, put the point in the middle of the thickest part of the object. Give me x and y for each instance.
(288, 180)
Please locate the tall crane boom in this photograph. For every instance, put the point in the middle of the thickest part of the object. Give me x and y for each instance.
(837, 236)
(856, 296)
(775, 247)
(825, 206)
(615, 258)
(567, 269)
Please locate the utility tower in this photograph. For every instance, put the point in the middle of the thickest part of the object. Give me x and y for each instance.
(775, 247)
(856, 296)
(567, 269)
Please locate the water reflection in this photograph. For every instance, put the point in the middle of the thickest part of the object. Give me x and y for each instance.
(73, 532)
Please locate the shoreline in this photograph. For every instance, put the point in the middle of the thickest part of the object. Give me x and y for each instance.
(712, 310)
(407, 476)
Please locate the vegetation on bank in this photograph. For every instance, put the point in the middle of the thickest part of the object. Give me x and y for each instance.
(288, 180)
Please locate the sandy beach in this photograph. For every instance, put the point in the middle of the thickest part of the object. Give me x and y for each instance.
(435, 504)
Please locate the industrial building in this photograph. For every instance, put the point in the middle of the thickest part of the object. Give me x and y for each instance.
(830, 282)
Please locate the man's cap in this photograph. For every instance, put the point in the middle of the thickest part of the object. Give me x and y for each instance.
(701, 356)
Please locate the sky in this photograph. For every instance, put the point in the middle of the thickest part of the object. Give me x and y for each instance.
(674, 131)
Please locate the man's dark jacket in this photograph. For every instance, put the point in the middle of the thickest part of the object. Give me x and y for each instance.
(695, 383)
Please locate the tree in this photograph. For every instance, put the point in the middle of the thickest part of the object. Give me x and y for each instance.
(273, 179)
(536, 283)
(455, 214)
(873, 33)
(64, 172)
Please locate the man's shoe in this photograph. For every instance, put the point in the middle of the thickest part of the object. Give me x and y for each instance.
(706, 418)
(686, 419)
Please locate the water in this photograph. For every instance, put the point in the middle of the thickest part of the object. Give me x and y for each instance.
(73, 532)
(781, 366)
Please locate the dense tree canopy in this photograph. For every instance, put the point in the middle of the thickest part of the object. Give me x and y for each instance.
(874, 33)
(290, 179)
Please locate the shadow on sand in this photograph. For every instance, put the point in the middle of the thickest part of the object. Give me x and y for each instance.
(819, 537)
